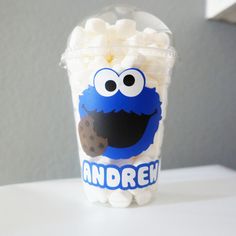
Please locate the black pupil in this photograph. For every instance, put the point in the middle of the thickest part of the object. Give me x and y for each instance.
(129, 80)
(110, 85)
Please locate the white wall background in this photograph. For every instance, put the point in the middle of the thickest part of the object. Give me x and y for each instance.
(37, 136)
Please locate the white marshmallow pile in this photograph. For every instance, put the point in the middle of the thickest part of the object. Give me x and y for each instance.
(119, 46)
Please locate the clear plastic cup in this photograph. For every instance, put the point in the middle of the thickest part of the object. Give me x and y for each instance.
(119, 64)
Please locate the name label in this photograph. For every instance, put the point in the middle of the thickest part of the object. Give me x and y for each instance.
(124, 177)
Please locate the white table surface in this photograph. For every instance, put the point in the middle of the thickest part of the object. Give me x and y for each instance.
(193, 201)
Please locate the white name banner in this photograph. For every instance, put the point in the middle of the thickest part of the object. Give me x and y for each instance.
(123, 177)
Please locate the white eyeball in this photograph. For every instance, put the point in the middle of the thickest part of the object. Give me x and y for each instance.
(105, 82)
(131, 82)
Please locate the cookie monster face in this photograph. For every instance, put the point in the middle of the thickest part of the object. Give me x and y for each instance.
(119, 115)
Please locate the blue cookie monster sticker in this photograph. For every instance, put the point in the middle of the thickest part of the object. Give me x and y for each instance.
(119, 115)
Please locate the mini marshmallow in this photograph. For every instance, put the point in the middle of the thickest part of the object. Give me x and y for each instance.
(78, 81)
(97, 63)
(116, 61)
(104, 160)
(112, 33)
(156, 68)
(98, 41)
(143, 158)
(163, 92)
(158, 139)
(149, 31)
(120, 198)
(155, 39)
(125, 28)
(149, 36)
(107, 161)
(95, 25)
(162, 40)
(152, 45)
(151, 83)
(101, 61)
(153, 152)
(76, 38)
(118, 55)
(142, 196)
(75, 65)
(133, 59)
(122, 162)
(163, 80)
(95, 194)
(136, 40)
(118, 68)
(153, 188)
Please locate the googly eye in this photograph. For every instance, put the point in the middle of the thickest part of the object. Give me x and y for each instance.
(131, 82)
(105, 82)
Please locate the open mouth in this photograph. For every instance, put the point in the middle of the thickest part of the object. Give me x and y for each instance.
(121, 129)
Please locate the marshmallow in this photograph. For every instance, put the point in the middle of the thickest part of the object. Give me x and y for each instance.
(163, 92)
(116, 61)
(79, 81)
(118, 68)
(95, 194)
(133, 59)
(74, 65)
(156, 68)
(104, 160)
(95, 25)
(120, 198)
(155, 39)
(136, 40)
(149, 31)
(125, 28)
(98, 41)
(162, 40)
(112, 34)
(158, 139)
(151, 83)
(97, 63)
(149, 36)
(142, 196)
(163, 80)
(122, 162)
(143, 158)
(77, 38)
(153, 187)
(153, 152)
